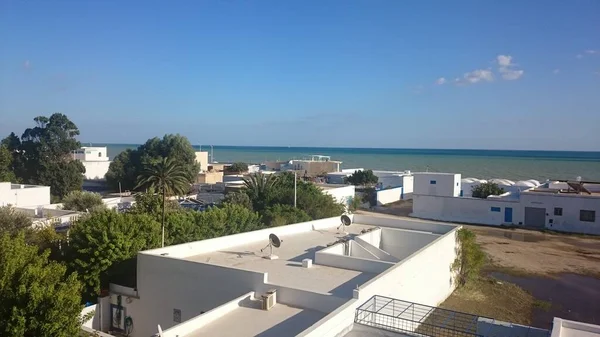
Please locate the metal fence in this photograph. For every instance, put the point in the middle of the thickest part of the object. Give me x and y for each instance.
(415, 319)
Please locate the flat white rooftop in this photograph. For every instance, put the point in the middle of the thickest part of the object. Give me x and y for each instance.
(287, 270)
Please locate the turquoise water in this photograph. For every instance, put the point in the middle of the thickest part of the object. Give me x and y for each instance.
(486, 164)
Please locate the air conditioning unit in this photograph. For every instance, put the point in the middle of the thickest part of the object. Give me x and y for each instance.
(269, 300)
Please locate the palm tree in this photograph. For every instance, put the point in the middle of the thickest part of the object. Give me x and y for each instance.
(169, 178)
(259, 188)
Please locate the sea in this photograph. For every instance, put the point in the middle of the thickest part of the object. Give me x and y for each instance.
(483, 164)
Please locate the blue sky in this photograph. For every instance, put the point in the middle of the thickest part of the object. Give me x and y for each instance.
(406, 74)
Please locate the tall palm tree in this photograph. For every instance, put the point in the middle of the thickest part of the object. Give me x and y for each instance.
(169, 178)
(259, 188)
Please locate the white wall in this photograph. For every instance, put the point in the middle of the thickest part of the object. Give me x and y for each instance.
(402, 244)
(95, 169)
(393, 222)
(571, 206)
(465, 210)
(23, 195)
(442, 184)
(388, 196)
(308, 299)
(342, 194)
(408, 182)
(358, 250)
(197, 287)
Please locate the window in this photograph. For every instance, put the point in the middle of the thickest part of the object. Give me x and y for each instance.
(456, 184)
(432, 182)
(558, 211)
(587, 216)
(177, 315)
(99, 154)
(495, 209)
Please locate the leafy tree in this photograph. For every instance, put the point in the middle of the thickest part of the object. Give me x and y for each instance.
(100, 240)
(354, 204)
(169, 178)
(362, 178)
(43, 155)
(238, 167)
(238, 198)
(83, 201)
(151, 203)
(260, 188)
(6, 167)
(486, 189)
(370, 196)
(37, 297)
(12, 221)
(281, 215)
(129, 165)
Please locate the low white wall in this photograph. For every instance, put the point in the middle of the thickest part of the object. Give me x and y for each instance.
(24, 195)
(490, 327)
(352, 263)
(197, 287)
(205, 246)
(307, 299)
(562, 328)
(401, 244)
(336, 323)
(202, 320)
(342, 194)
(394, 222)
(373, 237)
(380, 254)
(388, 196)
(467, 210)
(357, 250)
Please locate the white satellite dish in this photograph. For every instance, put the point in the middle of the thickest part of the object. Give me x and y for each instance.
(345, 222)
(274, 241)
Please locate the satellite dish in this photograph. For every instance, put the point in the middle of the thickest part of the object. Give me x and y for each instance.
(160, 333)
(274, 241)
(345, 222)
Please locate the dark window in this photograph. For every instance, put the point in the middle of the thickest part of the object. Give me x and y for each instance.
(99, 154)
(495, 209)
(587, 216)
(558, 211)
(177, 315)
(432, 182)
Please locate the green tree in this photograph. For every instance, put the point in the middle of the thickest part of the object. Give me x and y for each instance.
(362, 178)
(37, 297)
(486, 189)
(260, 188)
(43, 155)
(354, 204)
(100, 240)
(6, 165)
(128, 165)
(169, 178)
(238, 167)
(238, 198)
(150, 202)
(281, 215)
(12, 221)
(83, 201)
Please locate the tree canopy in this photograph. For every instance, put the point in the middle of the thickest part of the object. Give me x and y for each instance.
(238, 198)
(83, 201)
(484, 190)
(129, 165)
(6, 165)
(362, 178)
(238, 167)
(43, 155)
(37, 296)
(12, 222)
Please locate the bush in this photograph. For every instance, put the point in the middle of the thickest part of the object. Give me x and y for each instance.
(469, 257)
(238, 167)
(82, 201)
(362, 178)
(486, 189)
(238, 198)
(281, 215)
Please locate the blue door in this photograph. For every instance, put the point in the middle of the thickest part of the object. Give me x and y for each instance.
(508, 214)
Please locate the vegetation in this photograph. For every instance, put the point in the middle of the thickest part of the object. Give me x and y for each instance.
(12, 222)
(238, 167)
(37, 296)
(370, 196)
(43, 155)
(486, 189)
(82, 201)
(238, 198)
(261, 189)
(99, 241)
(281, 215)
(169, 178)
(470, 258)
(362, 178)
(130, 164)
(6, 169)
(151, 203)
(354, 204)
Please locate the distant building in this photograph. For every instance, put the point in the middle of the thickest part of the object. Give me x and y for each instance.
(95, 160)
(202, 159)
(20, 195)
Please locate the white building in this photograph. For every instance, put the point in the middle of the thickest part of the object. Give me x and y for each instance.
(19, 195)
(342, 194)
(222, 286)
(436, 183)
(561, 206)
(95, 160)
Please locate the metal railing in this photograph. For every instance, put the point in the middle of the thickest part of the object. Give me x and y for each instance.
(420, 320)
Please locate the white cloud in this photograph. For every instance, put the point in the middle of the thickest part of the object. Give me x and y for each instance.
(592, 52)
(510, 74)
(556, 71)
(504, 60)
(476, 76)
(440, 81)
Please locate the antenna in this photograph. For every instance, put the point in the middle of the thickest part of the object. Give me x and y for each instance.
(160, 333)
(274, 241)
(345, 222)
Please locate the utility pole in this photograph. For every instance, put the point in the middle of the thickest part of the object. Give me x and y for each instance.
(212, 154)
(295, 178)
